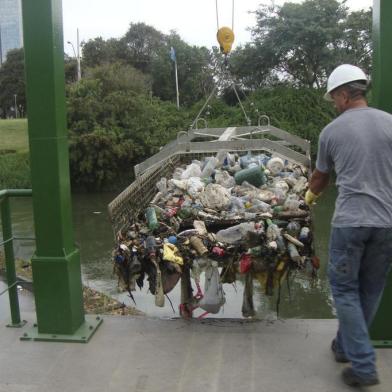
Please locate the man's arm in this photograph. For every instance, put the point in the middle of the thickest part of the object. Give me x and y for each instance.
(318, 182)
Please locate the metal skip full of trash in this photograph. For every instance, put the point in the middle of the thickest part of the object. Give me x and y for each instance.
(224, 214)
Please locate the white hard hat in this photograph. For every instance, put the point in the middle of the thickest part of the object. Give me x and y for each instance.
(345, 73)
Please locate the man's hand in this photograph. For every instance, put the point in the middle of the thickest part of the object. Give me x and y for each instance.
(318, 182)
(310, 197)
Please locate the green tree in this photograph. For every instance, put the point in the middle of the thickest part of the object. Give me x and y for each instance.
(356, 44)
(99, 158)
(147, 50)
(142, 44)
(70, 69)
(12, 82)
(98, 51)
(302, 43)
(301, 38)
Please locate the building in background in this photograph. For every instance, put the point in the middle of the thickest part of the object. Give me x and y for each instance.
(11, 34)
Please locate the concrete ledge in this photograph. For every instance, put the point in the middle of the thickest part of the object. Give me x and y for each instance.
(141, 354)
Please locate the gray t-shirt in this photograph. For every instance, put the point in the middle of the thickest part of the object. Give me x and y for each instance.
(358, 145)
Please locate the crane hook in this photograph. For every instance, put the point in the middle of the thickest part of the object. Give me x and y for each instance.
(225, 37)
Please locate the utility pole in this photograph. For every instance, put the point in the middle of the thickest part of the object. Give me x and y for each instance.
(177, 91)
(15, 106)
(77, 55)
(1, 49)
(174, 59)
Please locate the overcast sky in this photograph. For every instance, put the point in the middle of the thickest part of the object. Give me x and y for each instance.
(194, 20)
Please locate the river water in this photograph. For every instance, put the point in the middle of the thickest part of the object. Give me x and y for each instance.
(94, 237)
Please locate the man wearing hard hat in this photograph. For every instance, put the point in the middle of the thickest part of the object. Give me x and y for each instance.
(357, 145)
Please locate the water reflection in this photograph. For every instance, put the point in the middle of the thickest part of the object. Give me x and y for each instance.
(94, 237)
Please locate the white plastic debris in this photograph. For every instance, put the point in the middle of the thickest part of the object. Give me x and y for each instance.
(215, 197)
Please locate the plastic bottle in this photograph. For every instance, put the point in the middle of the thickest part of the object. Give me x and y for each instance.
(304, 234)
(152, 219)
(220, 157)
(209, 167)
(273, 234)
(254, 176)
(245, 160)
(150, 244)
(234, 234)
(237, 205)
(259, 206)
(293, 228)
(198, 245)
(293, 252)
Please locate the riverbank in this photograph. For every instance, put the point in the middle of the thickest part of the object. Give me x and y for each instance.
(14, 155)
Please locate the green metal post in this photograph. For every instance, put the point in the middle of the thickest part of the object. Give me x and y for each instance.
(56, 263)
(10, 262)
(381, 329)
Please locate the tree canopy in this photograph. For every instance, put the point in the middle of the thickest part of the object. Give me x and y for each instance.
(123, 110)
(12, 83)
(302, 43)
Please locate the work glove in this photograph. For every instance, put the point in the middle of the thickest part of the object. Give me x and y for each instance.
(311, 197)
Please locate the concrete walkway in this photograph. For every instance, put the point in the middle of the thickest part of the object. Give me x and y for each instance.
(148, 355)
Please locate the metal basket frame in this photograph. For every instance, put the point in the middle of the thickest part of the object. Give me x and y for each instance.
(197, 144)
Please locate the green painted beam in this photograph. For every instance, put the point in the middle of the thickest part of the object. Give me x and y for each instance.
(381, 329)
(56, 263)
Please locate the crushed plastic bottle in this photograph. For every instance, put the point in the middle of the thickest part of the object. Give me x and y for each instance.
(235, 234)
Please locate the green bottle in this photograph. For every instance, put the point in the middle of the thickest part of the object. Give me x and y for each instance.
(254, 175)
(152, 219)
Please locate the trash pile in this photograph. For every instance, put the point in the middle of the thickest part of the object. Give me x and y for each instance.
(225, 216)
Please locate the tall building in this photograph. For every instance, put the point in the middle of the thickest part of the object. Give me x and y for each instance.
(11, 34)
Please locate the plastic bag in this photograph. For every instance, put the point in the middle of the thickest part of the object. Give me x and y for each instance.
(180, 184)
(214, 296)
(292, 203)
(192, 170)
(177, 175)
(172, 254)
(301, 185)
(194, 186)
(237, 204)
(281, 184)
(225, 179)
(216, 197)
(162, 185)
(275, 165)
(245, 263)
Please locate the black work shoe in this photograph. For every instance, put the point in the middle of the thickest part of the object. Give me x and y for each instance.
(339, 356)
(350, 378)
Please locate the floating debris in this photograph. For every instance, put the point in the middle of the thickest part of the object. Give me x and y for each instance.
(243, 214)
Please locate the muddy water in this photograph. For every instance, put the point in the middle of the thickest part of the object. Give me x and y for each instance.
(94, 237)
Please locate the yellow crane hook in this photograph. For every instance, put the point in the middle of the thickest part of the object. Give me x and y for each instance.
(225, 37)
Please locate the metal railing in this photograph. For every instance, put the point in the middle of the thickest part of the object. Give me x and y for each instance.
(242, 139)
(8, 244)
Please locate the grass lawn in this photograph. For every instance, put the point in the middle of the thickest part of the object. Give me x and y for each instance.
(13, 135)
